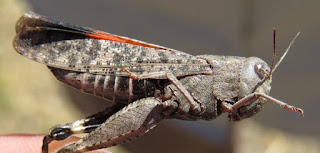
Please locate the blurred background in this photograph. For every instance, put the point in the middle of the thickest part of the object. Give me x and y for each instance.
(32, 100)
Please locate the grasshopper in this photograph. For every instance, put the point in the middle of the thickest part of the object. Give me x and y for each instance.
(146, 82)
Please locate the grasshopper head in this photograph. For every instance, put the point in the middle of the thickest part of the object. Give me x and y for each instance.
(254, 79)
(255, 86)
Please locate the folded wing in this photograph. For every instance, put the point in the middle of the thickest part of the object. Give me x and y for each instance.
(70, 47)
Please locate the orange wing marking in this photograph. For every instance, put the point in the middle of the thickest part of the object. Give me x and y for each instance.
(111, 37)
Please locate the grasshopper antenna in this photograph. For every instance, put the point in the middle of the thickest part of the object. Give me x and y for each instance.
(284, 54)
(274, 49)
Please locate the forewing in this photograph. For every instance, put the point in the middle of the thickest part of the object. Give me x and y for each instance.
(70, 47)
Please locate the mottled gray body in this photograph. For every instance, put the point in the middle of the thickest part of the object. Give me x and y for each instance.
(209, 90)
(224, 82)
(147, 82)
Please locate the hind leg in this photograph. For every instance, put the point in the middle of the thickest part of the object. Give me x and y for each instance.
(128, 123)
(86, 125)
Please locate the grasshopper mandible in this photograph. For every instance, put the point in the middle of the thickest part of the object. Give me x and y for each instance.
(147, 82)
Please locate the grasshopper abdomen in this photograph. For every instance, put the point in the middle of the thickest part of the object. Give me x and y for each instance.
(119, 89)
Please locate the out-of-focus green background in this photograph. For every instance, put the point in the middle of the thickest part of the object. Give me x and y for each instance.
(32, 100)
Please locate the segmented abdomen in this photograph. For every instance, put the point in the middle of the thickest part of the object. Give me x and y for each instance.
(117, 88)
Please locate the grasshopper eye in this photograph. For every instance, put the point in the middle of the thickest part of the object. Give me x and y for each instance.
(262, 70)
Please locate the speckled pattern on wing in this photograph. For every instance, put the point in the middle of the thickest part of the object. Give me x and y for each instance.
(69, 47)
